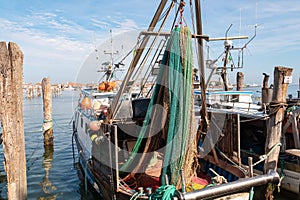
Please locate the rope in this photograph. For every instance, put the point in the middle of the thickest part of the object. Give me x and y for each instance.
(269, 192)
(218, 178)
(258, 118)
(165, 12)
(165, 192)
(30, 160)
(232, 162)
(280, 104)
(292, 108)
(35, 131)
(265, 156)
(282, 174)
(46, 121)
(62, 127)
(136, 195)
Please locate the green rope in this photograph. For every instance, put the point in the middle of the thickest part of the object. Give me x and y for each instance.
(251, 193)
(282, 167)
(265, 156)
(210, 185)
(165, 192)
(282, 174)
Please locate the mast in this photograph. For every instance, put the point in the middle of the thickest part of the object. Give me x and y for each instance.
(137, 57)
(203, 112)
(299, 89)
(110, 67)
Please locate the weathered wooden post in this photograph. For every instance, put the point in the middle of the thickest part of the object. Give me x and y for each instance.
(282, 78)
(266, 91)
(29, 92)
(239, 81)
(11, 92)
(38, 91)
(47, 103)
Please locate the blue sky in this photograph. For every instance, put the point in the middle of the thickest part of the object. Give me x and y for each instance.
(59, 37)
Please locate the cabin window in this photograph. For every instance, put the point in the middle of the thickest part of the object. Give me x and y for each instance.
(81, 122)
(75, 125)
(86, 128)
(76, 117)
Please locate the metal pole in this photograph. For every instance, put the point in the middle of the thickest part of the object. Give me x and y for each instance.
(250, 164)
(110, 166)
(182, 180)
(239, 139)
(203, 113)
(136, 58)
(299, 96)
(229, 188)
(116, 156)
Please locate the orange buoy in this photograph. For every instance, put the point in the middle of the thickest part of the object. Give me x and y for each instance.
(86, 103)
(107, 86)
(94, 126)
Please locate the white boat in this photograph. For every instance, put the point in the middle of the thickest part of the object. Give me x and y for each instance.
(232, 101)
(252, 119)
(142, 148)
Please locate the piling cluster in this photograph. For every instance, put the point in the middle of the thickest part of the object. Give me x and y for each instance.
(35, 90)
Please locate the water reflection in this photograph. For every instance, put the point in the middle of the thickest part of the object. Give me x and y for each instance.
(46, 184)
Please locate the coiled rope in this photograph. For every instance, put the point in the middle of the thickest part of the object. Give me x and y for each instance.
(165, 192)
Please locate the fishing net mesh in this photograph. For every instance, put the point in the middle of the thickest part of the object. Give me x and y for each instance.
(173, 92)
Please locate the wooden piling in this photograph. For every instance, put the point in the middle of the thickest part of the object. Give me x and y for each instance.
(239, 81)
(47, 107)
(11, 84)
(282, 78)
(266, 91)
(38, 91)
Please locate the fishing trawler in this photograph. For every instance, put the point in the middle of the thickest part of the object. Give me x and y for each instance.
(147, 147)
(249, 123)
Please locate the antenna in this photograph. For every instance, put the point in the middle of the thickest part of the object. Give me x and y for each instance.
(228, 30)
(240, 24)
(256, 11)
(245, 45)
(111, 53)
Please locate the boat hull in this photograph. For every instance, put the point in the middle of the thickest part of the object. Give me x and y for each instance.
(291, 181)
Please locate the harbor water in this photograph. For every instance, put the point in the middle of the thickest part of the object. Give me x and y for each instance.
(54, 173)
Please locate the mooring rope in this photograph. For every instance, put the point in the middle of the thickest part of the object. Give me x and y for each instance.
(265, 156)
(165, 192)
